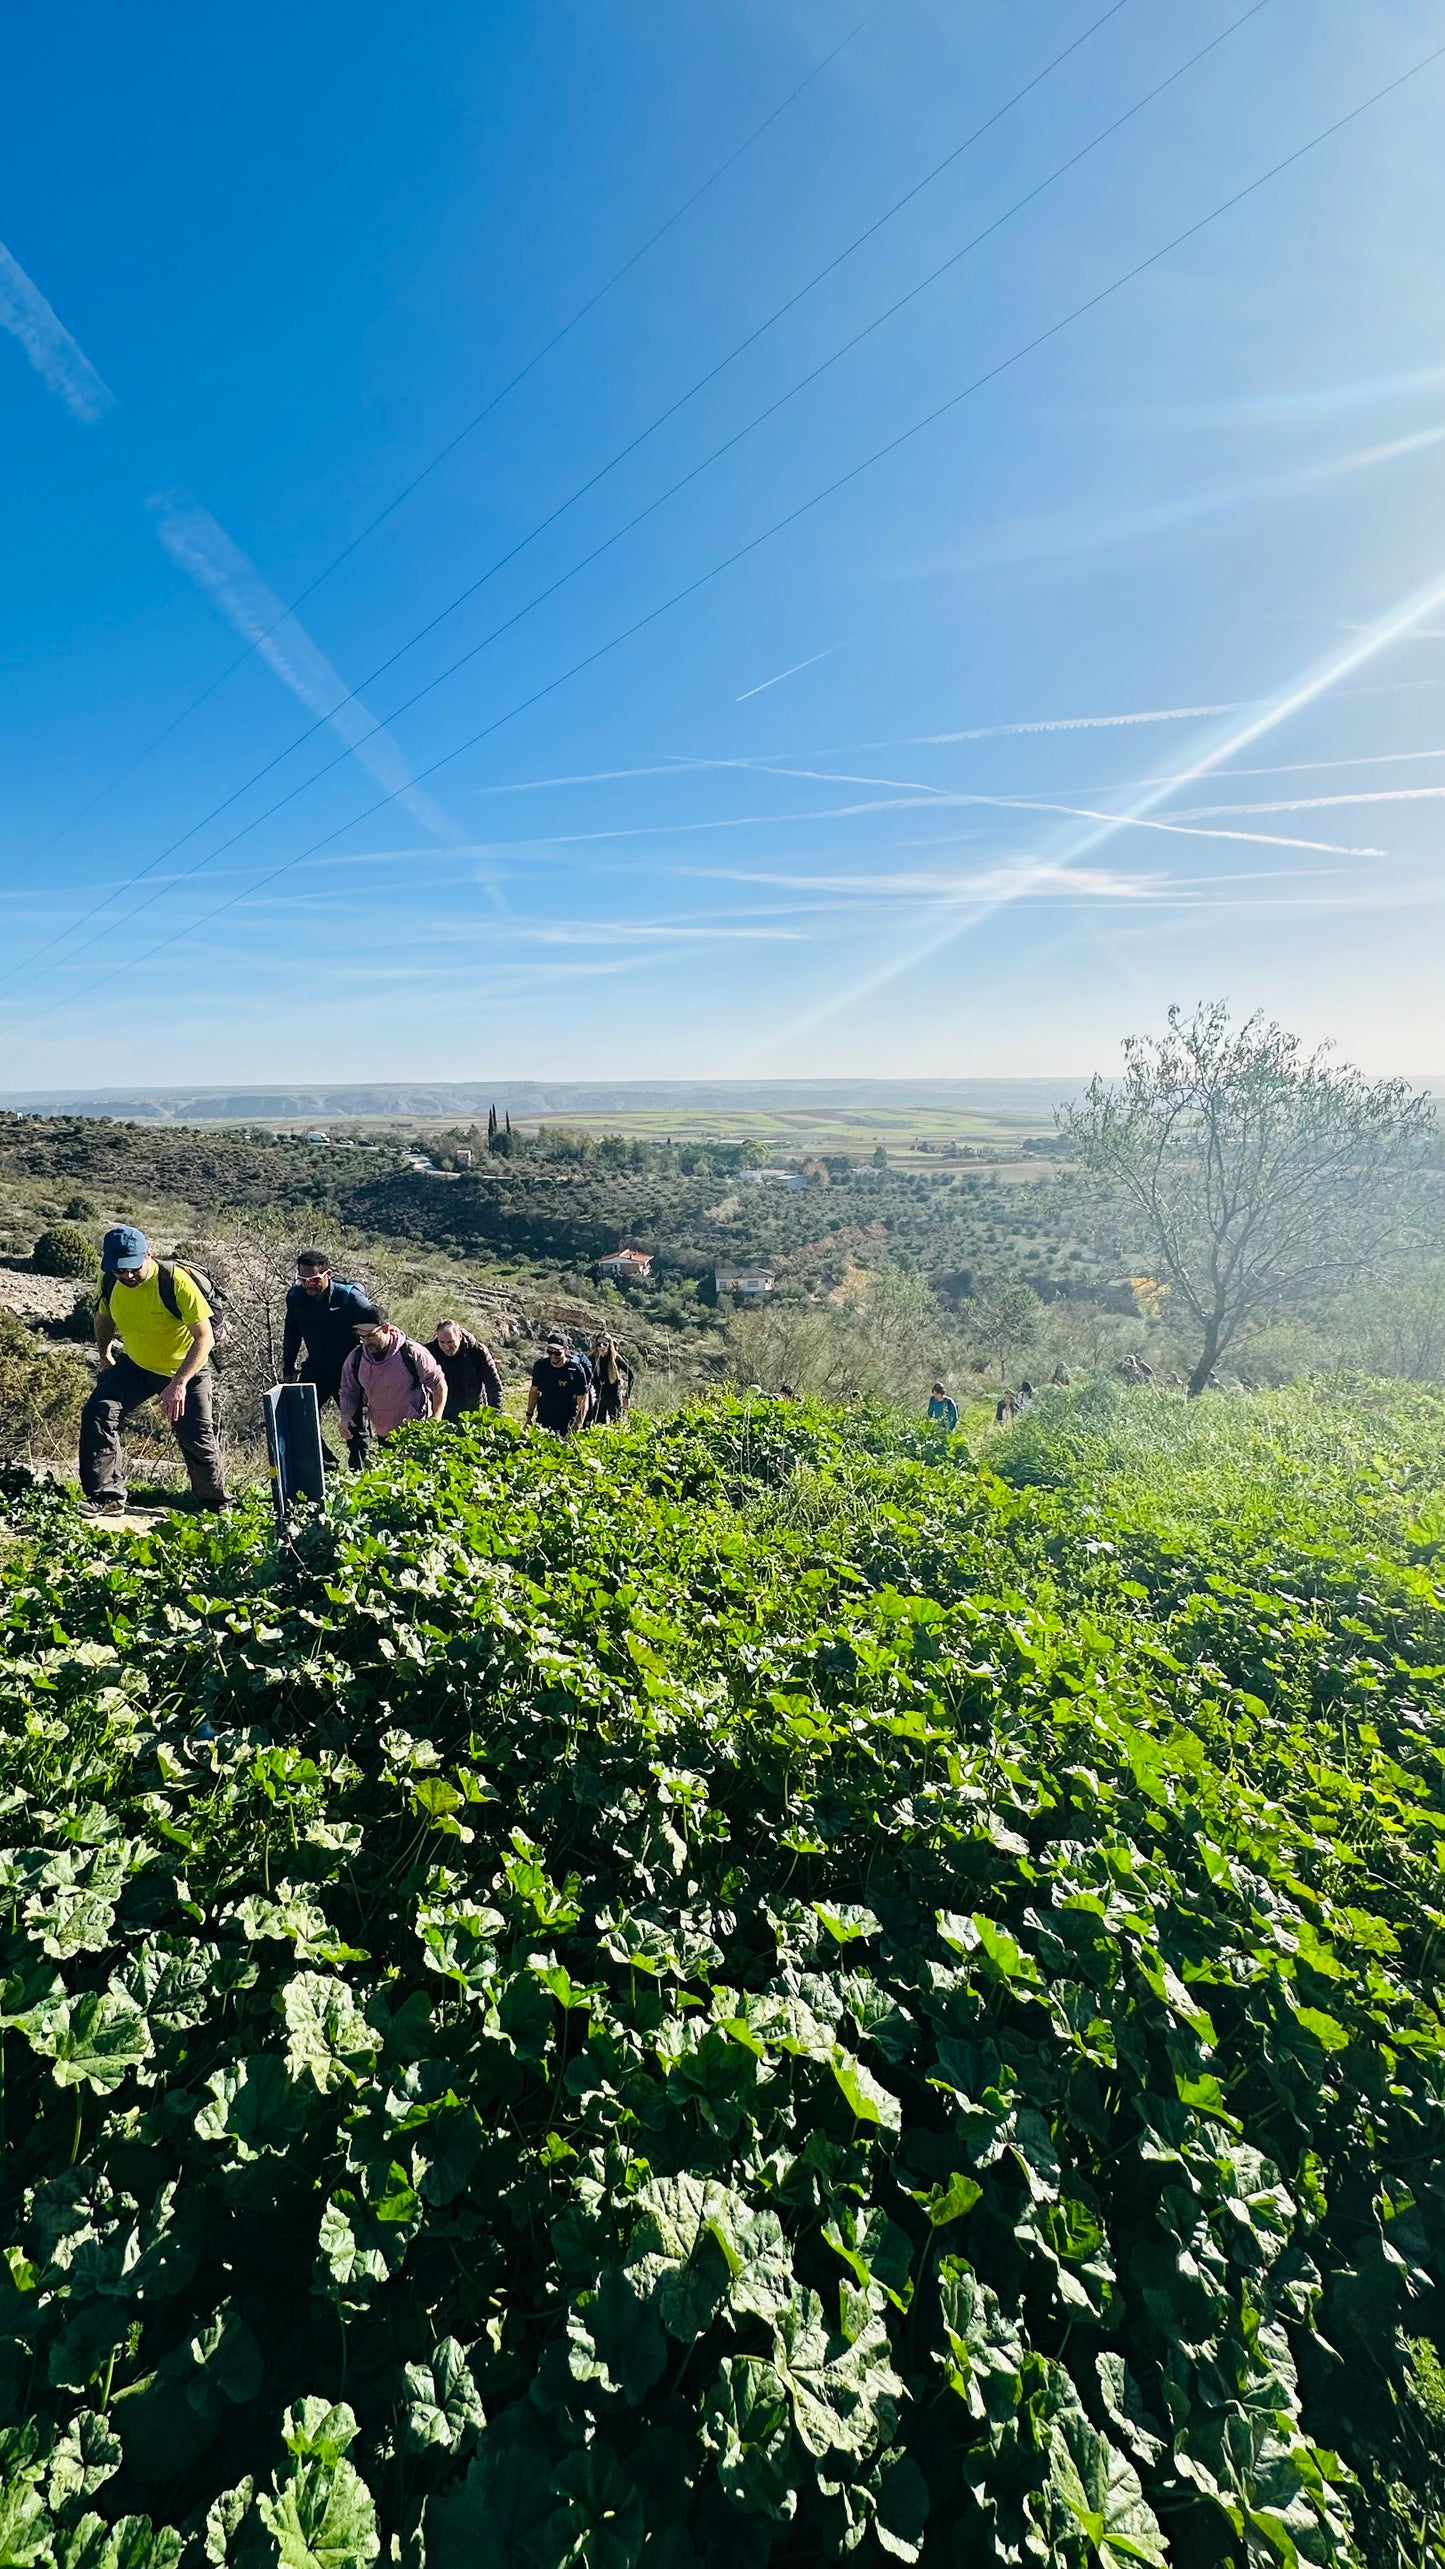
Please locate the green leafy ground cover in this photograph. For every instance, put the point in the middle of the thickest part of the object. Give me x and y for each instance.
(747, 1991)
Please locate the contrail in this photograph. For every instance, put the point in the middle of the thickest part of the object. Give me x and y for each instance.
(788, 673)
(1322, 802)
(914, 740)
(1290, 767)
(202, 548)
(768, 759)
(1387, 630)
(1308, 403)
(58, 361)
(206, 553)
(931, 797)
(1064, 722)
(1183, 829)
(1048, 536)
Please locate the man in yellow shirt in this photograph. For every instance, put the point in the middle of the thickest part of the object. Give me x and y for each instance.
(164, 1320)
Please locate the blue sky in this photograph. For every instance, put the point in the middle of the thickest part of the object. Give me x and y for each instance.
(1123, 682)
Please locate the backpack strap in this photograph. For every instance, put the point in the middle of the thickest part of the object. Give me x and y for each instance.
(167, 1270)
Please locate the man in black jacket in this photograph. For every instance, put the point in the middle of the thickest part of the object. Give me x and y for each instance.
(473, 1379)
(322, 1313)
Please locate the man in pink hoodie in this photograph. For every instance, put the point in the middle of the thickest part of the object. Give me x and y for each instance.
(389, 1376)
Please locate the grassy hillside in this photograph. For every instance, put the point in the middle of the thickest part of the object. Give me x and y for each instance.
(562, 1201)
(750, 1991)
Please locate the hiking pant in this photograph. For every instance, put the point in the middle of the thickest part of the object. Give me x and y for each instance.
(120, 1388)
(328, 1388)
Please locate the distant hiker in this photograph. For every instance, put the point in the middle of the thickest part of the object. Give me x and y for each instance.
(1006, 1412)
(612, 1378)
(942, 1408)
(1060, 1374)
(164, 1319)
(473, 1380)
(557, 1393)
(322, 1311)
(1026, 1392)
(786, 1392)
(388, 1378)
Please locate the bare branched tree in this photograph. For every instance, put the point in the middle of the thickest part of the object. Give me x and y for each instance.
(253, 1266)
(1265, 1177)
(1003, 1319)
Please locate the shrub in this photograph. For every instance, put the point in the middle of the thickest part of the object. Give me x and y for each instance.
(64, 1251)
(75, 1326)
(41, 1392)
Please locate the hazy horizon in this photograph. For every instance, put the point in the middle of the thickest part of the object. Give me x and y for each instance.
(1023, 1098)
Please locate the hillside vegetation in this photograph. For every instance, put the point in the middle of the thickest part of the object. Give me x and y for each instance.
(751, 1991)
(548, 1206)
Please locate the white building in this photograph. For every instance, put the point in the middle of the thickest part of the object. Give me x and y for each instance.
(745, 1284)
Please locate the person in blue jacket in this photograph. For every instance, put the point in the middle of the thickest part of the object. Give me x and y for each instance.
(942, 1408)
(322, 1313)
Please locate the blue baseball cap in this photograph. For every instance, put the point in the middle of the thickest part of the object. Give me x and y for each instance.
(124, 1247)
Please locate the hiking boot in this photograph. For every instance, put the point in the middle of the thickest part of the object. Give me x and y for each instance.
(103, 1507)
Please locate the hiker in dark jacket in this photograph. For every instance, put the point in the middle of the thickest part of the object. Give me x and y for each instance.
(612, 1379)
(322, 1311)
(153, 1335)
(943, 1408)
(473, 1378)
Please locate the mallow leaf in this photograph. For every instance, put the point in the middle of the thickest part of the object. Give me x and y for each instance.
(441, 2405)
(93, 2040)
(745, 2422)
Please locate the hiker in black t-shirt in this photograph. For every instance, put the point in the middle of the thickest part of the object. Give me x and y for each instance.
(557, 1394)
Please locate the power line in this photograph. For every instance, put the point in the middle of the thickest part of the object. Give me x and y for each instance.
(878, 454)
(587, 559)
(462, 434)
(28, 962)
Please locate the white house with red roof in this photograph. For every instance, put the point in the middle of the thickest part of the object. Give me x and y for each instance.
(623, 1265)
